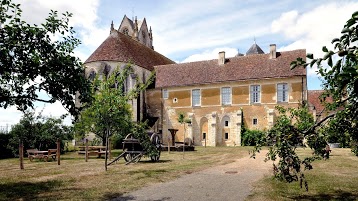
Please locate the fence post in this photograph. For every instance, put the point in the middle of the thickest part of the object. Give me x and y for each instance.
(86, 151)
(21, 154)
(58, 151)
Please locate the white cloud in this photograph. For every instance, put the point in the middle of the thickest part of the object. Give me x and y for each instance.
(211, 54)
(313, 29)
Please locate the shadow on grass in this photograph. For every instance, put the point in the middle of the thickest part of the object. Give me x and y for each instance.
(337, 195)
(27, 190)
(119, 197)
(150, 161)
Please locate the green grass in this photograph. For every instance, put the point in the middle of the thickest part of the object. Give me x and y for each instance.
(76, 179)
(333, 179)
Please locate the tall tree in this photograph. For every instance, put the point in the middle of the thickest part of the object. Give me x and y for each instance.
(31, 62)
(340, 82)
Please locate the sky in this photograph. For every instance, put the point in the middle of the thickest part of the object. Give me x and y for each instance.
(187, 31)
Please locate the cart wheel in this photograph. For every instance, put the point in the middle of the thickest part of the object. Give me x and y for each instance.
(31, 158)
(127, 156)
(46, 158)
(137, 158)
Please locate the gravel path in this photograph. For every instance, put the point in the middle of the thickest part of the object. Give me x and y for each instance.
(225, 182)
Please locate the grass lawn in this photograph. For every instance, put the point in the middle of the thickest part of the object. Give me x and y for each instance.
(76, 179)
(333, 179)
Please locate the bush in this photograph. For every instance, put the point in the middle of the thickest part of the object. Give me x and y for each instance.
(4, 141)
(253, 137)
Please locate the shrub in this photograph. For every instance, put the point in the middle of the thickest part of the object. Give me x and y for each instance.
(253, 137)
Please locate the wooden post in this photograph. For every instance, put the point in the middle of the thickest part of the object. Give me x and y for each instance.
(58, 153)
(21, 155)
(109, 151)
(168, 144)
(86, 151)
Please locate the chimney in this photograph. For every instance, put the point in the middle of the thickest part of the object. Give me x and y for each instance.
(221, 59)
(273, 51)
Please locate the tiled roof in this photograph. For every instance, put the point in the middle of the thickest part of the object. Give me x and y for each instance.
(119, 47)
(257, 66)
(314, 100)
(255, 49)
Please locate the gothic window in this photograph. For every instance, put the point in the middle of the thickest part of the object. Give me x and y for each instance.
(92, 75)
(195, 97)
(125, 31)
(106, 70)
(282, 92)
(255, 93)
(226, 95)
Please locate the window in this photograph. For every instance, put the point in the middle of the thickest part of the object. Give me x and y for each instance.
(92, 75)
(226, 123)
(195, 97)
(254, 121)
(226, 95)
(255, 93)
(165, 94)
(282, 92)
(204, 136)
(226, 136)
(125, 31)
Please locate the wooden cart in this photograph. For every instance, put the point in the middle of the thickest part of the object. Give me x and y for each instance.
(133, 150)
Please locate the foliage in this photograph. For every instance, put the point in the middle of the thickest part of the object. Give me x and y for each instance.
(253, 137)
(32, 62)
(285, 136)
(340, 80)
(39, 132)
(110, 113)
(4, 141)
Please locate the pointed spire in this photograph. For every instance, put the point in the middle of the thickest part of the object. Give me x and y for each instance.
(135, 28)
(112, 27)
(150, 33)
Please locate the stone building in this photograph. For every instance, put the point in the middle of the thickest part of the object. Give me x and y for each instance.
(222, 95)
(130, 43)
(219, 96)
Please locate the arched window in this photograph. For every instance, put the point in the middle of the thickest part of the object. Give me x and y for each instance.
(92, 75)
(106, 70)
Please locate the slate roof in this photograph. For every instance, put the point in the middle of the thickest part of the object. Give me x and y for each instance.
(255, 49)
(122, 48)
(257, 66)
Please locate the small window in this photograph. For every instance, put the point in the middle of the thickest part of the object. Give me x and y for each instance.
(226, 123)
(92, 75)
(282, 92)
(226, 95)
(254, 121)
(195, 96)
(204, 136)
(125, 31)
(226, 136)
(165, 94)
(255, 93)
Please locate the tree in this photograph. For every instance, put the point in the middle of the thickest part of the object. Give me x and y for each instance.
(31, 62)
(109, 113)
(340, 82)
(37, 131)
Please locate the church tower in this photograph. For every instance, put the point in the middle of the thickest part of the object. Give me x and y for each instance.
(137, 30)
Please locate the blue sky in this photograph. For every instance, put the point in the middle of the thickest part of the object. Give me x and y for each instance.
(197, 30)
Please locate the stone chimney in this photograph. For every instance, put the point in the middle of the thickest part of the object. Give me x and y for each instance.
(273, 51)
(221, 59)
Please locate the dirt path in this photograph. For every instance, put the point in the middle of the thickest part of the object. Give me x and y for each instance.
(225, 182)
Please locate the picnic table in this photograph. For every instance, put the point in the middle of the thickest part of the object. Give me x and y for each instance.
(92, 150)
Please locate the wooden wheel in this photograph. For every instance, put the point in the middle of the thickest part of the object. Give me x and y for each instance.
(155, 139)
(31, 158)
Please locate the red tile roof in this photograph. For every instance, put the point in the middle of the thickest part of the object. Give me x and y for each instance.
(314, 100)
(250, 67)
(119, 47)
